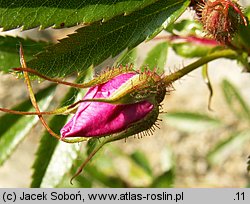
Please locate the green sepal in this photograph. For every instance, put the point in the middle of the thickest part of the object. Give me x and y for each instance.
(140, 128)
(144, 85)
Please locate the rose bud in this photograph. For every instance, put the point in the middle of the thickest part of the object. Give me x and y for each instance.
(125, 102)
(222, 19)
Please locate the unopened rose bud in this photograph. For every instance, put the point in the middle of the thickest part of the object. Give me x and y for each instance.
(127, 102)
(220, 18)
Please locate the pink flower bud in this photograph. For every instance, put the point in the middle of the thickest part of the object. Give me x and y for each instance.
(96, 119)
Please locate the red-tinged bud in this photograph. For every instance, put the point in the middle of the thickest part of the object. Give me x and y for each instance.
(128, 103)
(220, 18)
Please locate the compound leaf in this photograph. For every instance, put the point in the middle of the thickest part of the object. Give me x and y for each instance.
(92, 44)
(53, 158)
(9, 51)
(63, 13)
(14, 128)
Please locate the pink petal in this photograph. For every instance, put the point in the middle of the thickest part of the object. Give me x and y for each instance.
(99, 118)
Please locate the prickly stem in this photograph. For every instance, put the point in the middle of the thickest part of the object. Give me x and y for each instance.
(230, 54)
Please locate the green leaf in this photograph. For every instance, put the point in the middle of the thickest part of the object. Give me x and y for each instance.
(9, 51)
(167, 166)
(48, 145)
(157, 57)
(139, 158)
(127, 58)
(63, 13)
(242, 37)
(136, 175)
(166, 180)
(52, 153)
(192, 44)
(226, 147)
(235, 101)
(186, 28)
(60, 163)
(191, 122)
(99, 171)
(191, 49)
(242, 59)
(137, 172)
(14, 128)
(92, 44)
(91, 145)
(241, 41)
(102, 178)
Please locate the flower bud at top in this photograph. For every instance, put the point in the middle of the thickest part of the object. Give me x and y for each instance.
(130, 103)
(220, 18)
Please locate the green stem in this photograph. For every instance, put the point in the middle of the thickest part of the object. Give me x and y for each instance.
(230, 54)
